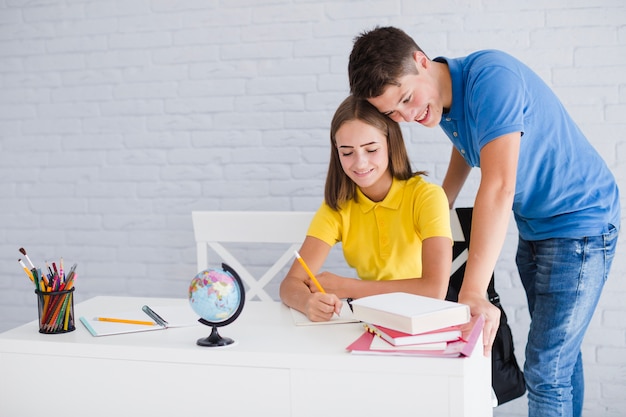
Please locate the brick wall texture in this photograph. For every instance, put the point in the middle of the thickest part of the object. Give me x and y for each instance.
(118, 118)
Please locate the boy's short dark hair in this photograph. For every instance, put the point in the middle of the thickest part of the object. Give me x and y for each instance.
(378, 59)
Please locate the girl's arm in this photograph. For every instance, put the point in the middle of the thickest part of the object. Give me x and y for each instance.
(294, 289)
(436, 265)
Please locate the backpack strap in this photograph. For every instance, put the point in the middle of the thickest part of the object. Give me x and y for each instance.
(493, 296)
(464, 215)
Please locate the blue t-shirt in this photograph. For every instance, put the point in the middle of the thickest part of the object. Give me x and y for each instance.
(564, 189)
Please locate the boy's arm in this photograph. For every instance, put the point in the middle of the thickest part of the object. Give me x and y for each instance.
(490, 220)
(457, 173)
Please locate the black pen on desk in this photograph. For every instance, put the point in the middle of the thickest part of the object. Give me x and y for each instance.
(154, 316)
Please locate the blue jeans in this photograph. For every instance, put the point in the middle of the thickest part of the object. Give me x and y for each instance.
(563, 279)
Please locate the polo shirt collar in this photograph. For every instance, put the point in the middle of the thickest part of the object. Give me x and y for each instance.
(458, 94)
(391, 201)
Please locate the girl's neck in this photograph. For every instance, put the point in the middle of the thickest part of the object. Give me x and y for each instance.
(378, 191)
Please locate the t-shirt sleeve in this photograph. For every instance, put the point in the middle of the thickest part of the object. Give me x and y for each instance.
(496, 98)
(326, 225)
(432, 213)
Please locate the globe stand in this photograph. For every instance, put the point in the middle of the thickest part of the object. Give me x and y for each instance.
(214, 338)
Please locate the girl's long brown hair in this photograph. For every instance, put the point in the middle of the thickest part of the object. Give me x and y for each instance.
(339, 187)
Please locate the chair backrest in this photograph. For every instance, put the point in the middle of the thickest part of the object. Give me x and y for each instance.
(214, 228)
(460, 222)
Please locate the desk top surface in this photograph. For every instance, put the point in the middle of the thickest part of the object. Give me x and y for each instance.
(264, 334)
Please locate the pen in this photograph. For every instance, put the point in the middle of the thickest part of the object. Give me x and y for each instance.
(50, 273)
(114, 320)
(308, 271)
(154, 316)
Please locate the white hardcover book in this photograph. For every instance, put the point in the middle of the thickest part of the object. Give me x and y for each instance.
(410, 313)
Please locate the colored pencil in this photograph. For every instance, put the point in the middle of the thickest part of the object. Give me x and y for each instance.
(309, 273)
(126, 321)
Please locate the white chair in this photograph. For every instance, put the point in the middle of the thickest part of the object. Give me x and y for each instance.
(461, 250)
(214, 228)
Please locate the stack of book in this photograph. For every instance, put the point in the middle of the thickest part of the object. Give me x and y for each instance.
(408, 324)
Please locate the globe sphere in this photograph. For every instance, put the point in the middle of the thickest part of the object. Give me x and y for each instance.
(216, 296)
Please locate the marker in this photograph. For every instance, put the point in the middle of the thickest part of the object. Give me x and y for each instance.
(154, 316)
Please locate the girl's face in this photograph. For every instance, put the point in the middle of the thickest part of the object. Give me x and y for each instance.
(364, 157)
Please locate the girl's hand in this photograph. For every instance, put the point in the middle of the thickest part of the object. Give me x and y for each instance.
(331, 283)
(321, 307)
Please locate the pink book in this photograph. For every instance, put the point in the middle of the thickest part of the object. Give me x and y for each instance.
(398, 338)
(459, 348)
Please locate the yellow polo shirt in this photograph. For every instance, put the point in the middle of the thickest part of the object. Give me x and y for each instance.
(383, 240)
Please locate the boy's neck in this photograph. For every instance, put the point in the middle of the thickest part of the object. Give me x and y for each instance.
(441, 72)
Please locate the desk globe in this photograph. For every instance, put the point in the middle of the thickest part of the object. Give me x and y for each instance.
(217, 296)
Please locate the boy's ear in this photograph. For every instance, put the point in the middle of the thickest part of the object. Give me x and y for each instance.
(421, 60)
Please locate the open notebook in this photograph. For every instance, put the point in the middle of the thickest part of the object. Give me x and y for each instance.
(165, 317)
(300, 319)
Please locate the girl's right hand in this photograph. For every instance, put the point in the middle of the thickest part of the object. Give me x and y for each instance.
(322, 306)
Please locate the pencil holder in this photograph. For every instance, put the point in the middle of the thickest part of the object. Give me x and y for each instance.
(56, 311)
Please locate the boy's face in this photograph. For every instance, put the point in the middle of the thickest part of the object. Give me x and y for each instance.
(416, 99)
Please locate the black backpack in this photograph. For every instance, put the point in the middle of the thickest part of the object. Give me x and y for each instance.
(507, 377)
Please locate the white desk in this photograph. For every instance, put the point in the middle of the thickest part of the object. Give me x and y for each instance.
(275, 368)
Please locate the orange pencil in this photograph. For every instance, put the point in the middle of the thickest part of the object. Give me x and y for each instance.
(114, 320)
(309, 273)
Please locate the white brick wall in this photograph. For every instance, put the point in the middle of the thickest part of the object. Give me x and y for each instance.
(117, 119)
